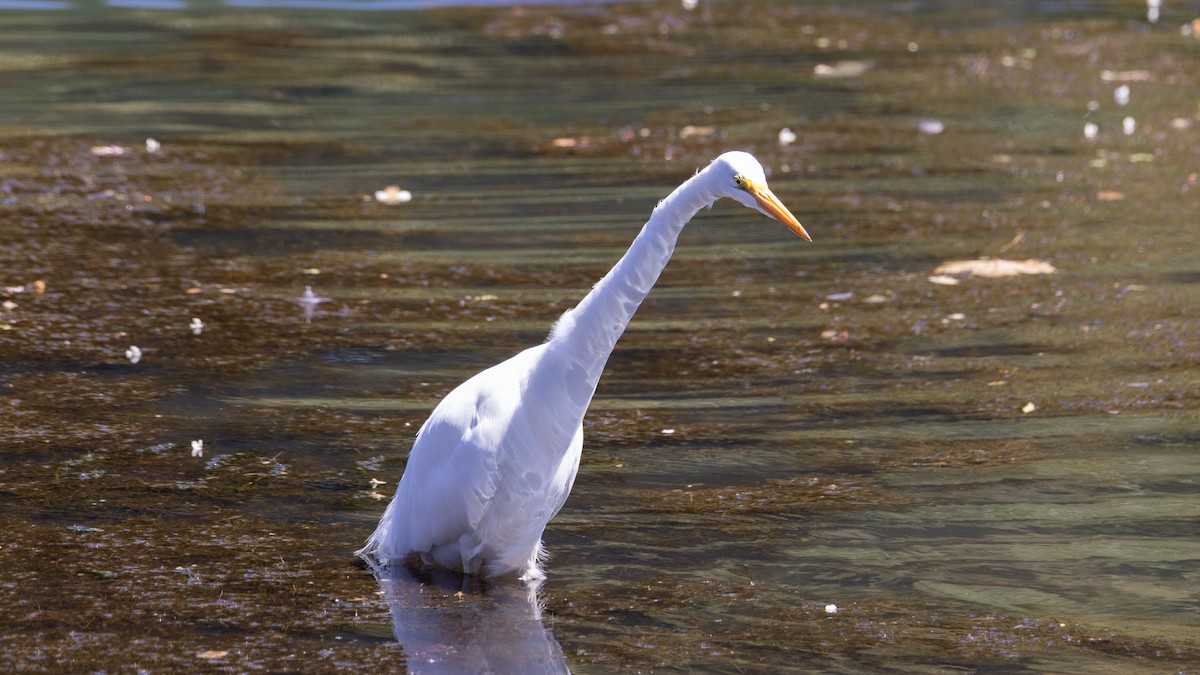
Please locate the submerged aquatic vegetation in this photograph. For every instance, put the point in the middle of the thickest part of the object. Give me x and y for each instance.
(782, 431)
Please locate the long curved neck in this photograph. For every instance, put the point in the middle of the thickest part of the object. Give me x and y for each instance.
(589, 332)
(569, 364)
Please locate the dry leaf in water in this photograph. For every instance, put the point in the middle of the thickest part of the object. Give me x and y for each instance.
(842, 69)
(995, 268)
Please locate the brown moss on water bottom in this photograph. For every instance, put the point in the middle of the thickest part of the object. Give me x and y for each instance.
(99, 258)
(736, 626)
(803, 494)
(197, 588)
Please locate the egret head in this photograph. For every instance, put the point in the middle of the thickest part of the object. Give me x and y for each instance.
(741, 178)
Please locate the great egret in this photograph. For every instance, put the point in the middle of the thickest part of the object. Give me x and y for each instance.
(497, 457)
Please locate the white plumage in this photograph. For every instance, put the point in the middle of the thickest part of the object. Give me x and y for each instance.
(497, 458)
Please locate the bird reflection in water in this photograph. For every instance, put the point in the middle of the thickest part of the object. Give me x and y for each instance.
(449, 622)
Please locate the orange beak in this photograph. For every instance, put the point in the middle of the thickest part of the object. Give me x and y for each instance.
(770, 205)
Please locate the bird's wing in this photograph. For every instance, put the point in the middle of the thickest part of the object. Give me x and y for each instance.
(454, 469)
(450, 478)
(567, 470)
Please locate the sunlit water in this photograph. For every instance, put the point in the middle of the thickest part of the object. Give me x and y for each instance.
(801, 457)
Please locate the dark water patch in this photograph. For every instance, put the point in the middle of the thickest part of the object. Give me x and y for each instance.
(1190, 277)
(280, 241)
(989, 348)
(763, 444)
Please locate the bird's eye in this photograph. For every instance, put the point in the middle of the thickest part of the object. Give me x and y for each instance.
(740, 182)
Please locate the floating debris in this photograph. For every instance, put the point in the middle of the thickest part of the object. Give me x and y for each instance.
(108, 150)
(1129, 125)
(1028, 408)
(1012, 243)
(692, 130)
(197, 326)
(198, 448)
(997, 267)
(310, 297)
(689, 5)
(1125, 76)
(842, 69)
(1090, 130)
(1110, 196)
(309, 301)
(152, 146)
(1121, 94)
(831, 608)
(786, 136)
(930, 127)
(840, 297)
(134, 354)
(392, 195)
(943, 280)
(1152, 10)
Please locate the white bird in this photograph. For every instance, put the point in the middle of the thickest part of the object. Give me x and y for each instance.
(497, 458)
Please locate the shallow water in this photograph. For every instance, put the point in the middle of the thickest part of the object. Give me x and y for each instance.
(998, 474)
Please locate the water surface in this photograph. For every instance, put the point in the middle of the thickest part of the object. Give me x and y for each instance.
(801, 457)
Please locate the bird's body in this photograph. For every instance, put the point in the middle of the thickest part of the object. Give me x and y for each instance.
(497, 458)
